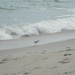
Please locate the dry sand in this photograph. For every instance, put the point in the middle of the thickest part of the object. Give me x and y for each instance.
(50, 59)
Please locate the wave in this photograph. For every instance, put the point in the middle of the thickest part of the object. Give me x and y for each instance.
(32, 4)
(24, 30)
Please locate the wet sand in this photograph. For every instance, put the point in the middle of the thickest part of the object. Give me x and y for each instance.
(57, 58)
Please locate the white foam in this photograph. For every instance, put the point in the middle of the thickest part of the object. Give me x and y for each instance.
(4, 35)
(58, 25)
(51, 26)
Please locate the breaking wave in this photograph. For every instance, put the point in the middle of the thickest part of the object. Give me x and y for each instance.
(51, 26)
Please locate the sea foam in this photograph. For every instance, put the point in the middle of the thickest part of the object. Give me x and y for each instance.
(51, 26)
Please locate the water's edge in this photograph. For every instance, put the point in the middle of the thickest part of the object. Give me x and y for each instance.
(30, 41)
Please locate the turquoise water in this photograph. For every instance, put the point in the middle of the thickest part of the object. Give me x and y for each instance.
(33, 17)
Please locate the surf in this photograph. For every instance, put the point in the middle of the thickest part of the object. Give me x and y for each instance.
(43, 27)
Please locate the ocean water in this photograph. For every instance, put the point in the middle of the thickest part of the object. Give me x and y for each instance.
(25, 18)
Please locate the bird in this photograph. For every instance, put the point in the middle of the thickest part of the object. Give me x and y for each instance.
(36, 41)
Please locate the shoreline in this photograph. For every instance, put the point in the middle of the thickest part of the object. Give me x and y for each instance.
(43, 39)
(52, 59)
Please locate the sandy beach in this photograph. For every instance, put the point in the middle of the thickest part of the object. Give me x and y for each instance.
(37, 37)
(57, 58)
